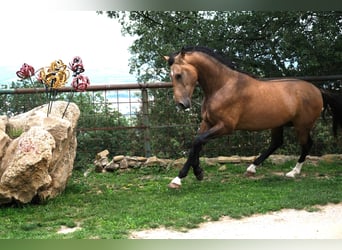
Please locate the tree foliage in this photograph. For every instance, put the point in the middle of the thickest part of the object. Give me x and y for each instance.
(14, 104)
(267, 44)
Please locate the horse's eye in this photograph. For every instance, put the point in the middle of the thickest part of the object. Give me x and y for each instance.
(178, 77)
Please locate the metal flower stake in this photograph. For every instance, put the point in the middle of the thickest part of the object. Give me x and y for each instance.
(80, 82)
(55, 77)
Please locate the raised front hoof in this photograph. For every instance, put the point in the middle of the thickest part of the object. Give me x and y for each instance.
(174, 185)
(249, 174)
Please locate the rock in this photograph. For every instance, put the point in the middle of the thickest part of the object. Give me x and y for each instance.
(99, 168)
(222, 168)
(141, 159)
(39, 162)
(123, 164)
(247, 159)
(4, 141)
(102, 154)
(118, 158)
(111, 166)
(28, 171)
(102, 162)
(154, 161)
(231, 159)
(281, 159)
(3, 122)
(179, 163)
(210, 161)
(133, 163)
(331, 157)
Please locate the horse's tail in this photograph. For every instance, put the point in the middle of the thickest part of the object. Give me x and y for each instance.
(332, 102)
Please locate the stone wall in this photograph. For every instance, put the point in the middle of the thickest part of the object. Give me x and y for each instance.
(120, 162)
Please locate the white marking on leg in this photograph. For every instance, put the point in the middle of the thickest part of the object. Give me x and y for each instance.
(252, 168)
(295, 171)
(177, 181)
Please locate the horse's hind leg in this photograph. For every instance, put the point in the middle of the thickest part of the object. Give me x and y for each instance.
(276, 142)
(306, 144)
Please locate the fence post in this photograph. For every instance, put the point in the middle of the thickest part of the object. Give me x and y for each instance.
(147, 145)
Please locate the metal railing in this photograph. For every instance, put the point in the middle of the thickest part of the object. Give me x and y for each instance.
(130, 100)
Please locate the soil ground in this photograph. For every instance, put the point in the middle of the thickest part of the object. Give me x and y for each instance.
(324, 222)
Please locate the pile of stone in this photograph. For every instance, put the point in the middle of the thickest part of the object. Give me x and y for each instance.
(120, 162)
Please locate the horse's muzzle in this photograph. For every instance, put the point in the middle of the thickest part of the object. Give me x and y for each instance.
(184, 104)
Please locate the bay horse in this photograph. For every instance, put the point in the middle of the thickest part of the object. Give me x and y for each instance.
(234, 100)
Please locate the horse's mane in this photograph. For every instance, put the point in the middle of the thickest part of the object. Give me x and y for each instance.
(210, 52)
(204, 50)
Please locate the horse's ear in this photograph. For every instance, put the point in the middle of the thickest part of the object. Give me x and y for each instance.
(166, 58)
(183, 51)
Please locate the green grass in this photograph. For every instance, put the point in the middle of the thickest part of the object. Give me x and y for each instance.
(110, 205)
(14, 133)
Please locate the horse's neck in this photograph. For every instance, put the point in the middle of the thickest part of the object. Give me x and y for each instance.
(214, 77)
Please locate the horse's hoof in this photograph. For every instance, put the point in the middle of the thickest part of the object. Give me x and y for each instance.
(174, 185)
(291, 175)
(200, 176)
(249, 174)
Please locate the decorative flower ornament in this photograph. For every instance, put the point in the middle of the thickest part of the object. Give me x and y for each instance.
(80, 83)
(26, 71)
(54, 76)
(76, 65)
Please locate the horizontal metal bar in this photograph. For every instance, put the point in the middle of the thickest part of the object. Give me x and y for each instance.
(95, 87)
(154, 85)
(110, 128)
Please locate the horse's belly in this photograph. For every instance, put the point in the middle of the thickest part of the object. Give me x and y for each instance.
(263, 121)
(258, 126)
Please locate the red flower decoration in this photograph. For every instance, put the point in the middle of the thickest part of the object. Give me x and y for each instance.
(80, 83)
(76, 65)
(25, 71)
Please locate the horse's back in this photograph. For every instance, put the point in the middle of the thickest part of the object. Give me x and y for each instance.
(279, 102)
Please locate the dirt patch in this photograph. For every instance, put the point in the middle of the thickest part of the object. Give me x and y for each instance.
(322, 222)
(67, 230)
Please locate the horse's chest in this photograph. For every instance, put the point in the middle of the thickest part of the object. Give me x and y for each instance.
(214, 112)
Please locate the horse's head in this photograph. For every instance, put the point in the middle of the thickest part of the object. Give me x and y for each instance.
(184, 78)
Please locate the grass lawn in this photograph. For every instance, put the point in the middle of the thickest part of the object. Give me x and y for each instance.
(110, 205)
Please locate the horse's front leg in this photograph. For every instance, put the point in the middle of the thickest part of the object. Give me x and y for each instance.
(193, 159)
